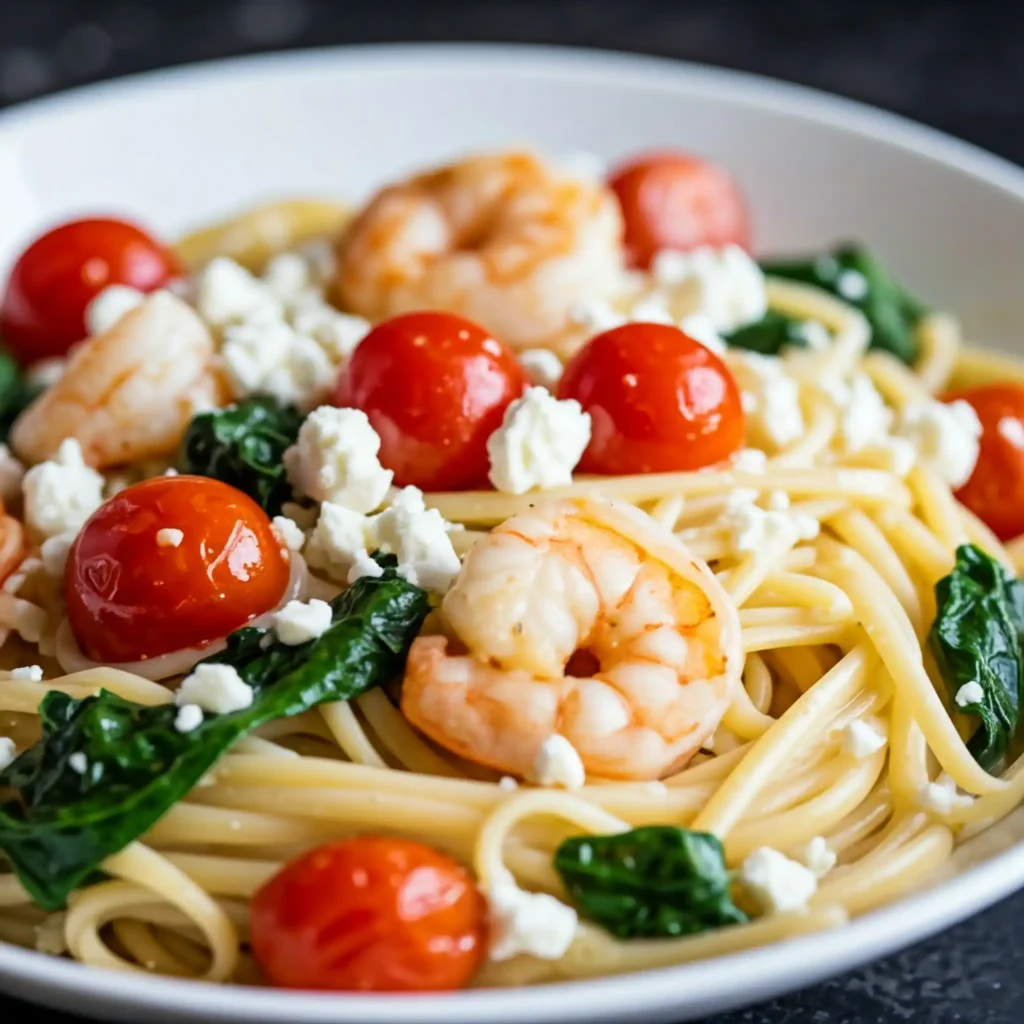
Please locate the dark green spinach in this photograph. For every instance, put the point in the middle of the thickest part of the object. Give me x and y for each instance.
(652, 882)
(855, 275)
(64, 816)
(244, 446)
(976, 637)
(770, 335)
(17, 392)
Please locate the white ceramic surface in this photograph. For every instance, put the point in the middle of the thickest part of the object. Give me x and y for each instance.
(176, 148)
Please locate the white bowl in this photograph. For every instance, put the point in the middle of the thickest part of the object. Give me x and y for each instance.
(180, 147)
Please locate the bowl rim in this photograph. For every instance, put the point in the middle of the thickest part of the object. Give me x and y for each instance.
(694, 988)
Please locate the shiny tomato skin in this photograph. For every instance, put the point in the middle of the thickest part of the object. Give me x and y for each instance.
(676, 201)
(42, 313)
(129, 598)
(995, 491)
(659, 401)
(435, 387)
(370, 914)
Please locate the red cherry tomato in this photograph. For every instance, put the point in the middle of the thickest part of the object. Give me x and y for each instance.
(675, 201)
(995, 491)
(658, 401)
(435, 387)
(131, 597)
(371, 914)
(43, 309)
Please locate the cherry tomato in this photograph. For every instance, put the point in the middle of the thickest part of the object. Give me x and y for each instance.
(132, 594)
(675, 201)
(995, 491)
(435, 387)
(43, 309)
(371, 914)
(658, 401)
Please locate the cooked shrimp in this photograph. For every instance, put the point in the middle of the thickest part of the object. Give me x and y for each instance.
(500, 239)
(12, 544)
(581, 618)
(128, 394)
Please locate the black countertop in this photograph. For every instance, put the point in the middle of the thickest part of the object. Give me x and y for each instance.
(955, 65)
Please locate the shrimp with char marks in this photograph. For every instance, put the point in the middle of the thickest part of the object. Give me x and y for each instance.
(582, 618)
(501, 239)
(128, 394)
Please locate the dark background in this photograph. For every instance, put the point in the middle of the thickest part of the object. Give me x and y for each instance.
(958, 66)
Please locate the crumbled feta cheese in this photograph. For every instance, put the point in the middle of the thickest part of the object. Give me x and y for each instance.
(289, 533)
(228, 294)
(861, 739)
(542, 367)
(301, 621)
(727, 285)
(941, 796)
(539, 443)
(864, 418)
(817, 856)
(771, 397)
(852, 285)
(8, 751)
(215, 688)
(338, 334)
(1012, 429)
(754, 529)
(78, 762)
(12, 472)
(947, 437)
(651, 309)
(268, 356)
(700, 327)
(110, 306)
(596, 316)
(335, 459)
(507, 784)
(750, 460)
(968, 694)
(338, 538)
(778, 501)
(363, 565)
(814, 334)
(776, 883)
(528, 922)
(902, 455)
(189, 717)
(558, 764)
(31, 673)
(62, 493)
(419, 538)
(287, 277)
(169, 537)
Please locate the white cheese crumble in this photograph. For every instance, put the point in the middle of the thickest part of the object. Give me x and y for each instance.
(542, 367)
(110, 306)
(864, 418)
(419, 539)
(78, 762)
(215, 688)
(338, 538)
(1011, 428)
(12, 472)
(778, 501)
(528, 922)
(596, 316)
(701, 328)
(507, 784)
(817, 856)
(852, 285)
(62, 493)
(189, 717)
(169, 537)
(338, 334)
(539, 443)
(335, 459)
(776, 883)
(861, 739)
(227, 293)
(750, 460)
(771, 397)
(54, 551)
(8, 751)
(941, 796)
(289, 533)
(727, 285)
(947, 437)
(362, 566)
(754, 529)
(558, 764)
(969, 693)
(31, 673)
(300, 621)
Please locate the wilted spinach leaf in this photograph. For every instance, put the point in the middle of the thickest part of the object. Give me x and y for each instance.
(770, 335)
(16, 393)
(652, 882)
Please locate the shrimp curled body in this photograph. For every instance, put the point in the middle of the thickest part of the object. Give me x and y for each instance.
(500, 239)
(128, 394)
(581, 618)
